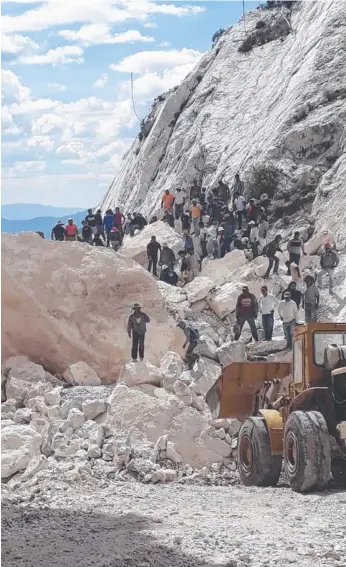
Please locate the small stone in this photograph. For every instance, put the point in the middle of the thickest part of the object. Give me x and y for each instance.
(220, 433)
(161, 443)
(172, 454)
(93, 408)
(164, 475)
(75, 419)
(94, 452)
(81, 374)
(22, 415)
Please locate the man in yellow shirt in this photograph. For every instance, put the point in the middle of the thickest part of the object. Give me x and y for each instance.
(196, 214)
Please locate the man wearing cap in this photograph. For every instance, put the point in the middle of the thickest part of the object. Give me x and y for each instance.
(137, 327)
(288, 313)
(58, 232)
(329, 261)
(246, 310)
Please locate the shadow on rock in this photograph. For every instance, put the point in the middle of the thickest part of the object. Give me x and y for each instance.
(65, 538)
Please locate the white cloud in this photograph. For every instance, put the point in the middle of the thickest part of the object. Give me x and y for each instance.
(96, 34)
(59, 12)
(57, 87)
(150, 25)
(16, 43)
(13, 130)
(147, 61)
(164, 44)
(59, 56)
(20, 168)
(101, 82)
(12, 88)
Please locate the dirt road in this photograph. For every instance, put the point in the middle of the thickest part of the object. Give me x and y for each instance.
(127, 524)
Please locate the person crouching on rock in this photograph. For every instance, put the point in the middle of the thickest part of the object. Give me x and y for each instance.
(192, 337)
(137, 327)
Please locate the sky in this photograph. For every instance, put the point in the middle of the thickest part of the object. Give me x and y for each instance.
(67, 114)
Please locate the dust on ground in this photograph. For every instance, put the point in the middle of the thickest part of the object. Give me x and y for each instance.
(129, 524)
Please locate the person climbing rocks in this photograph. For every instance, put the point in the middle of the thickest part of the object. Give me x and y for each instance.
(329, 261)
(191, 342)
(246, 310)
(238, 185)
(184, 266)
(91, 221)
(71, 231)
(223, 191)
(252, 211)
(119, 220)
(311, 299)
(295, 248)
(168, 218)
(296, 295)
(108, 220)
(138, 222)
(179, 200)
(167, 201)
(239, 206)
(195, 190)
(87, 234)
(58, 232)
(254, 238)
(186, 221)
(97, 240)
(194, 264)
(288, 313)
(267, 304)
(196, 213)
(220, 238)
(188, 242)
(263, 227)
(228, 225)
(137, 327)
(203, 234)
(270, 250)
(115, 238)
(153, 250)
(167, 256)
(168, 276)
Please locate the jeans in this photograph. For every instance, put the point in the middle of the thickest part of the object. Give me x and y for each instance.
(288, 328)
(195, 226)
(204, 250)
(251, 320)
(108, 235)
(294, 259)
(137, 345)
(272, 260)
(240, 215)
(152, 264)
(310, 312)
(268, 324)
(178, 210)
(190, 357)
(330, 272)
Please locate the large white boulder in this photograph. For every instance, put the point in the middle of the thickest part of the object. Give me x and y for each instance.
(135, 247)
(198, 289)
(80, 374)
(28, 371)
(233, 351)
(146, 419)
(315, 244)
(63, 302)
(17, 389)
(174, 297)
(137, 373)
(206, 347)
(171, 366)
(19, 444)
(220, 271)
(204, 375)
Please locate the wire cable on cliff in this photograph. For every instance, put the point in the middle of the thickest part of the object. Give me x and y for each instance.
(141, 121)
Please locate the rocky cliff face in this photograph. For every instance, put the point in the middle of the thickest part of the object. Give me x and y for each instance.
(269, 101)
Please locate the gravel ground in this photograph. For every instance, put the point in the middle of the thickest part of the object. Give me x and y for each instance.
(128, 524)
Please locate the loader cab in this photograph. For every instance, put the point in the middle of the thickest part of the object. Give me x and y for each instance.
(316, 349)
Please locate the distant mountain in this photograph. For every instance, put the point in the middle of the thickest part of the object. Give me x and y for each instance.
(28, 211)
(43, 224)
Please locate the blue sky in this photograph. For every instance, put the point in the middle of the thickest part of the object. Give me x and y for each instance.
(67, 117)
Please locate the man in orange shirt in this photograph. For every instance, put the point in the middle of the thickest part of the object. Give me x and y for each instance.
(71, 230)
(196, 214)
(167, 201)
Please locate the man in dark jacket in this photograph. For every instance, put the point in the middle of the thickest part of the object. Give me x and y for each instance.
(329, 261)
(137, 327)
(58, 232)
(246, 310)
(87, 234)
(192, 337)
(91, 221)
(153, 249)
(168, 276)
(270, 250)
(295, 293)
(167, 257)
(223, 191)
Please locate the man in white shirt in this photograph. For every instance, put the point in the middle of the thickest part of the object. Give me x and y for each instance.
(288, 312)
(267, 304)
(179, 200)
(239, 205)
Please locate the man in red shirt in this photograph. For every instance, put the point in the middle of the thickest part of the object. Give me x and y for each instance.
(71, 230)
(119, 220)
(167, 201)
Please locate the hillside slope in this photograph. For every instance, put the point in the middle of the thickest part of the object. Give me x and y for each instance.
(276, 113)
(43, 224)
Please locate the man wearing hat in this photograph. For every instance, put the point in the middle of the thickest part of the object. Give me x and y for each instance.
(246, 310)
(58, 232)
(136, 328)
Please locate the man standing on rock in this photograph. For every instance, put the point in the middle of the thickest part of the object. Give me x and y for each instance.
(246, 310)
(270, 251)
(192, 337)
(295, 248)
(179, 200)
(167, 201)
(196, 216)
(267, 304)
(153, 249)
(137, 327)
(288, 312)
(311, 299)
(58, 232)
(329, 261)
(167, 256)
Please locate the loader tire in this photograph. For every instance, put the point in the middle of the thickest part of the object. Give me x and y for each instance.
(307, 451)
(256, 465)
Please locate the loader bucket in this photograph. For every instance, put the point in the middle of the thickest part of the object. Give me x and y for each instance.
(233, 394)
